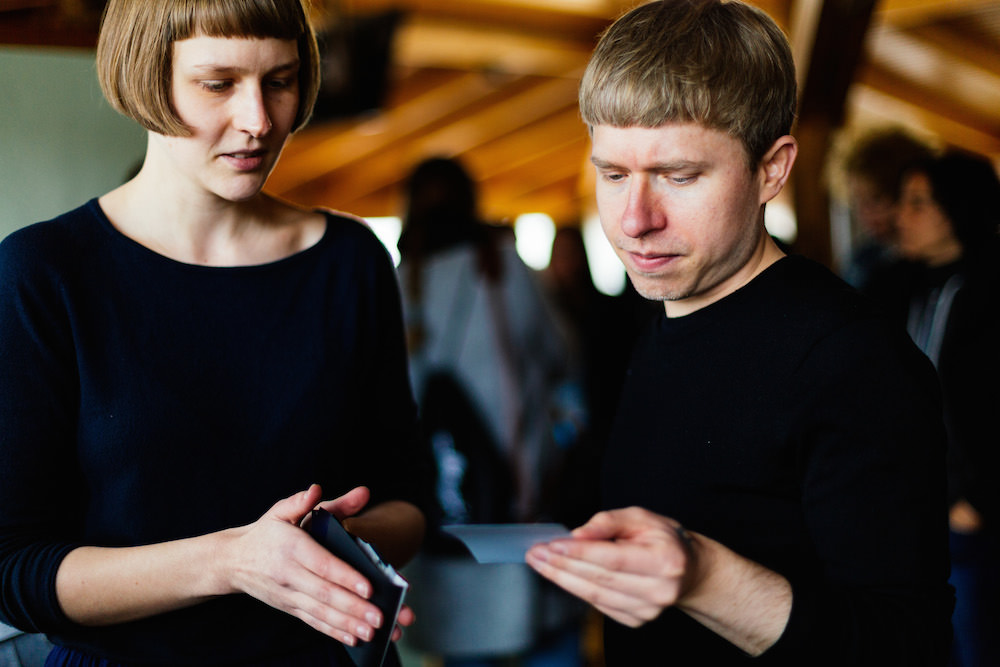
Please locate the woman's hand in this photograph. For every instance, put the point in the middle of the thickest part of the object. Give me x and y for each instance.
(277, 562)
(273, 559)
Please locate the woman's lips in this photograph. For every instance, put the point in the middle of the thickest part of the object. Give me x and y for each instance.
(245, 160)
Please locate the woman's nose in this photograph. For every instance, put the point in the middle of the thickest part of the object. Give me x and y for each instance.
(252, 115)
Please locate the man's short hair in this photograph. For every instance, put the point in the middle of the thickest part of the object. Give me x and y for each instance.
(724, 65)
(135, 49)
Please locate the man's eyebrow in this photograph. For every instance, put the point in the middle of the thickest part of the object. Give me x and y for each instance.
(673, 165)
(602, 163)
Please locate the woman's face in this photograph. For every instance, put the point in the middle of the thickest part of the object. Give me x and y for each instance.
(239, 97)
(925, 232)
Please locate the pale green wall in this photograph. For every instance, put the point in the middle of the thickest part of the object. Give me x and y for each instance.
(60, 142)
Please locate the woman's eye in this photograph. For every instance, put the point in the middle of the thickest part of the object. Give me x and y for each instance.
(281, 84)
(215, 86)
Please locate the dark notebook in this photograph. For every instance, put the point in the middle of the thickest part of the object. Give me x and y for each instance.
(388, 588)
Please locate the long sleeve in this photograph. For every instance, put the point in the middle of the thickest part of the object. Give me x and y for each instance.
(871, 443)
(144, 400)
(39, 488)
(800, 429)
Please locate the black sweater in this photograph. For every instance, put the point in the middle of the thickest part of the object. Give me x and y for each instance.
(793, 424)
(145, 400)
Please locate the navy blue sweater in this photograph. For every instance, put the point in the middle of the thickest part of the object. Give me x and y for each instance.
(144, 400)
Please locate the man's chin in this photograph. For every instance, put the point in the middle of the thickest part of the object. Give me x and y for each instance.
(655, 290)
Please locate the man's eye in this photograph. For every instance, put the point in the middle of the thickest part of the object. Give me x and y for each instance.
(281, 84)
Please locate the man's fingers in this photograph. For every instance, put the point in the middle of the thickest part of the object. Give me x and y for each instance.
(618, 595)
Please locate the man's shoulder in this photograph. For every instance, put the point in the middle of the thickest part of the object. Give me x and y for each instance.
(797, 287)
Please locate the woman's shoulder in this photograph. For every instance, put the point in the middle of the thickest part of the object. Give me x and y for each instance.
(70, 235)
(348, 228)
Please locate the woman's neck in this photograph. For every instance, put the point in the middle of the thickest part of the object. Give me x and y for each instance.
(209, 230)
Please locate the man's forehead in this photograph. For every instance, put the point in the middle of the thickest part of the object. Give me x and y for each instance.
(669, 143)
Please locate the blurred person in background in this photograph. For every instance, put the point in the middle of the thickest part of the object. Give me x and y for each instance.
(873, 169)
(487, 362)
(945, 288)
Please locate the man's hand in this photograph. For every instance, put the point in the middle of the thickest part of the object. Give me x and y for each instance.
(631, 564)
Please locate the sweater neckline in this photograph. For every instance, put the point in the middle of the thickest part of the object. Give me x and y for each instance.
(717, 310)
(138, 248)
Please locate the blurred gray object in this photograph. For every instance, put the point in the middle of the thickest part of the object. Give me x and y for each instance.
(20, 650)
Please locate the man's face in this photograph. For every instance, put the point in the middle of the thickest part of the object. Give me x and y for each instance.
(681, 209)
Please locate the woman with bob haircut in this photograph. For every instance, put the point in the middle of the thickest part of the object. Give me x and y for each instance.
(190, 366)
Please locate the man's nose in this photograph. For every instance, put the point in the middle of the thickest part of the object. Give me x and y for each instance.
(643, 211)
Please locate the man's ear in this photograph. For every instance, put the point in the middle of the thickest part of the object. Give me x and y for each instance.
(776, 166)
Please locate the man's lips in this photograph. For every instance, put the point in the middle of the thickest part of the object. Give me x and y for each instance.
(651, 262)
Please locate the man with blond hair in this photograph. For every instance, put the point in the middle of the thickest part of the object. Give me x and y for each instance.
(774, 483)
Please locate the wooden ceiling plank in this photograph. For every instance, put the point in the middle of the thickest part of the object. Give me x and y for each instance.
(423, 42)
(559, 200)
(576, 21)
(912, 13)
(924, 121)
(455, 139)
(345, 146)
(506, 154)
(961, 45)
(935, 104)
(552, 162)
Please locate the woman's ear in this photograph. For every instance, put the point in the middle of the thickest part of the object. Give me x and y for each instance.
(776, 166)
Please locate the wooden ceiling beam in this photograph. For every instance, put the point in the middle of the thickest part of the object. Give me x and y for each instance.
(457, 138)
(426, 42)
(576, 20)
(560, 165)
(954, 123)
(45, 28)
(326, 149)
(833, 45)
(884, 108)
(913, 13)
(508, 153)
(960, 44)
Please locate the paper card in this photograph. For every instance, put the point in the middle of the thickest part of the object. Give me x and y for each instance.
(505, 543)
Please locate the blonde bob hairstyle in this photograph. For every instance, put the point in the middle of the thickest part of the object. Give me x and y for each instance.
(724, 65)
(135, 50)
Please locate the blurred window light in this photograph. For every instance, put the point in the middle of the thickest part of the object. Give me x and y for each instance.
(387, 229)
(606, 269)
(534, 233)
